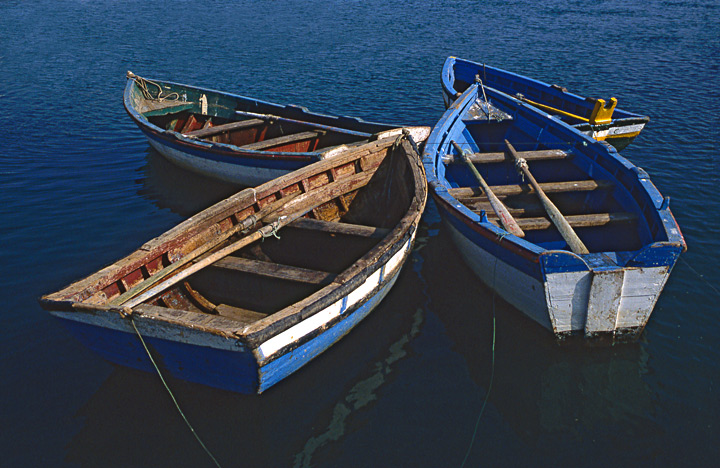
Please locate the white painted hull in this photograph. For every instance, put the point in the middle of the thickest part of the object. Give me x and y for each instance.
(233, 173)
(588, 302)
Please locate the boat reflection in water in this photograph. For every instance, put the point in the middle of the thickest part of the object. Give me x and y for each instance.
(550, 393)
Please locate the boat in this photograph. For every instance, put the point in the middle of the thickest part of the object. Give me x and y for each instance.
(558, 224)
(244, 293)
(597, 118)
(234, 138)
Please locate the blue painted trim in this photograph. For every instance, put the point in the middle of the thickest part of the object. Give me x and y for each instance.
(291, 361)
(228, 370)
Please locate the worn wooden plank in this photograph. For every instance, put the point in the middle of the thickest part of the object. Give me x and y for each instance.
(340, 228)
(275, 270)
(562, 225)
(576, 221)
(518, 189)
(506, 219)
(239, 314)
(228, 127)
(498, 157)
(283, 140)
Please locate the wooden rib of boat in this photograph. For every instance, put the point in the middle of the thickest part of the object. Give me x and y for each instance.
(220, 308)
(595, 241)
(234, 138)
(597, 118)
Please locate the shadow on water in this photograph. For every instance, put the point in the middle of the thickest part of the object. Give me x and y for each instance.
(183, 192)
(561, 400)
(130, 420)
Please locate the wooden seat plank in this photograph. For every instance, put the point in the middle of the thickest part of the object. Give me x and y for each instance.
(498, 157)
(340, 228)
(518, 189)
(576, 221)
(228, 127)
(282, 140)
(241, 315)
(274, 270)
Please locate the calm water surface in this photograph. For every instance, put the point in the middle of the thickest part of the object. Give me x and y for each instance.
(80, 187)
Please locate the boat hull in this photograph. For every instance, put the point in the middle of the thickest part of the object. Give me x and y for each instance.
(566, 299)
(229, 167)
(620, 132)
(612, 284)
(237, 161)
(231, 364)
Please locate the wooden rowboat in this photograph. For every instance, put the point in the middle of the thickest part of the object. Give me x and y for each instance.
(219, 308)
(596, 118)
(235, 138)
(594, 241)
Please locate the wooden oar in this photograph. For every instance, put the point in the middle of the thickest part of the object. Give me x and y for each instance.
(550, 109)
(566, 231)
(506, 219)
(245, 224)
(302, 122)
(214, 257)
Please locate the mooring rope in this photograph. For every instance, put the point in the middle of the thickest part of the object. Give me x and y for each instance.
(492, 373)
(701, 276)
(142, 84)
(172, 396)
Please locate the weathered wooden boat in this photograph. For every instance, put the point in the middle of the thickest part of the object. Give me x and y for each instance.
(597, 118)
(219, 308)
(563, 228)
(234, 138)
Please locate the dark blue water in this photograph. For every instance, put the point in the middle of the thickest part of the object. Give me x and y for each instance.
(80, 187)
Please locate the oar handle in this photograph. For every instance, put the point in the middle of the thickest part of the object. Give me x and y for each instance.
(562, 224)
(506, 219)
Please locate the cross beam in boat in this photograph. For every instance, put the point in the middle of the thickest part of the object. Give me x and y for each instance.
(282, 140)
(241, 315)
(275, 270)
(329, 128)
(518, 189)
(498, 157)
(228, 127)
(576, 221)
(340, 228)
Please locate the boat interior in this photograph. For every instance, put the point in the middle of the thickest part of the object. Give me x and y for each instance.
(268, 133)
(284, 266)
(246, 124)
(585, 185)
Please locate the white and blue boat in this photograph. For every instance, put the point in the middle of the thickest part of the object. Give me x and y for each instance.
(235, 138)
(565, 229)
(598, 118)
(217, 307)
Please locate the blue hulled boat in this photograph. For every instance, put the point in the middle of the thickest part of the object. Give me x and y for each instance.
(560, 225)
(597, 118)
(217, 307)
(234, 138)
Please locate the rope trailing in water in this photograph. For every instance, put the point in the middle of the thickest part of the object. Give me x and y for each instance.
(172, 396)
(492, 374)
(701, 276)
